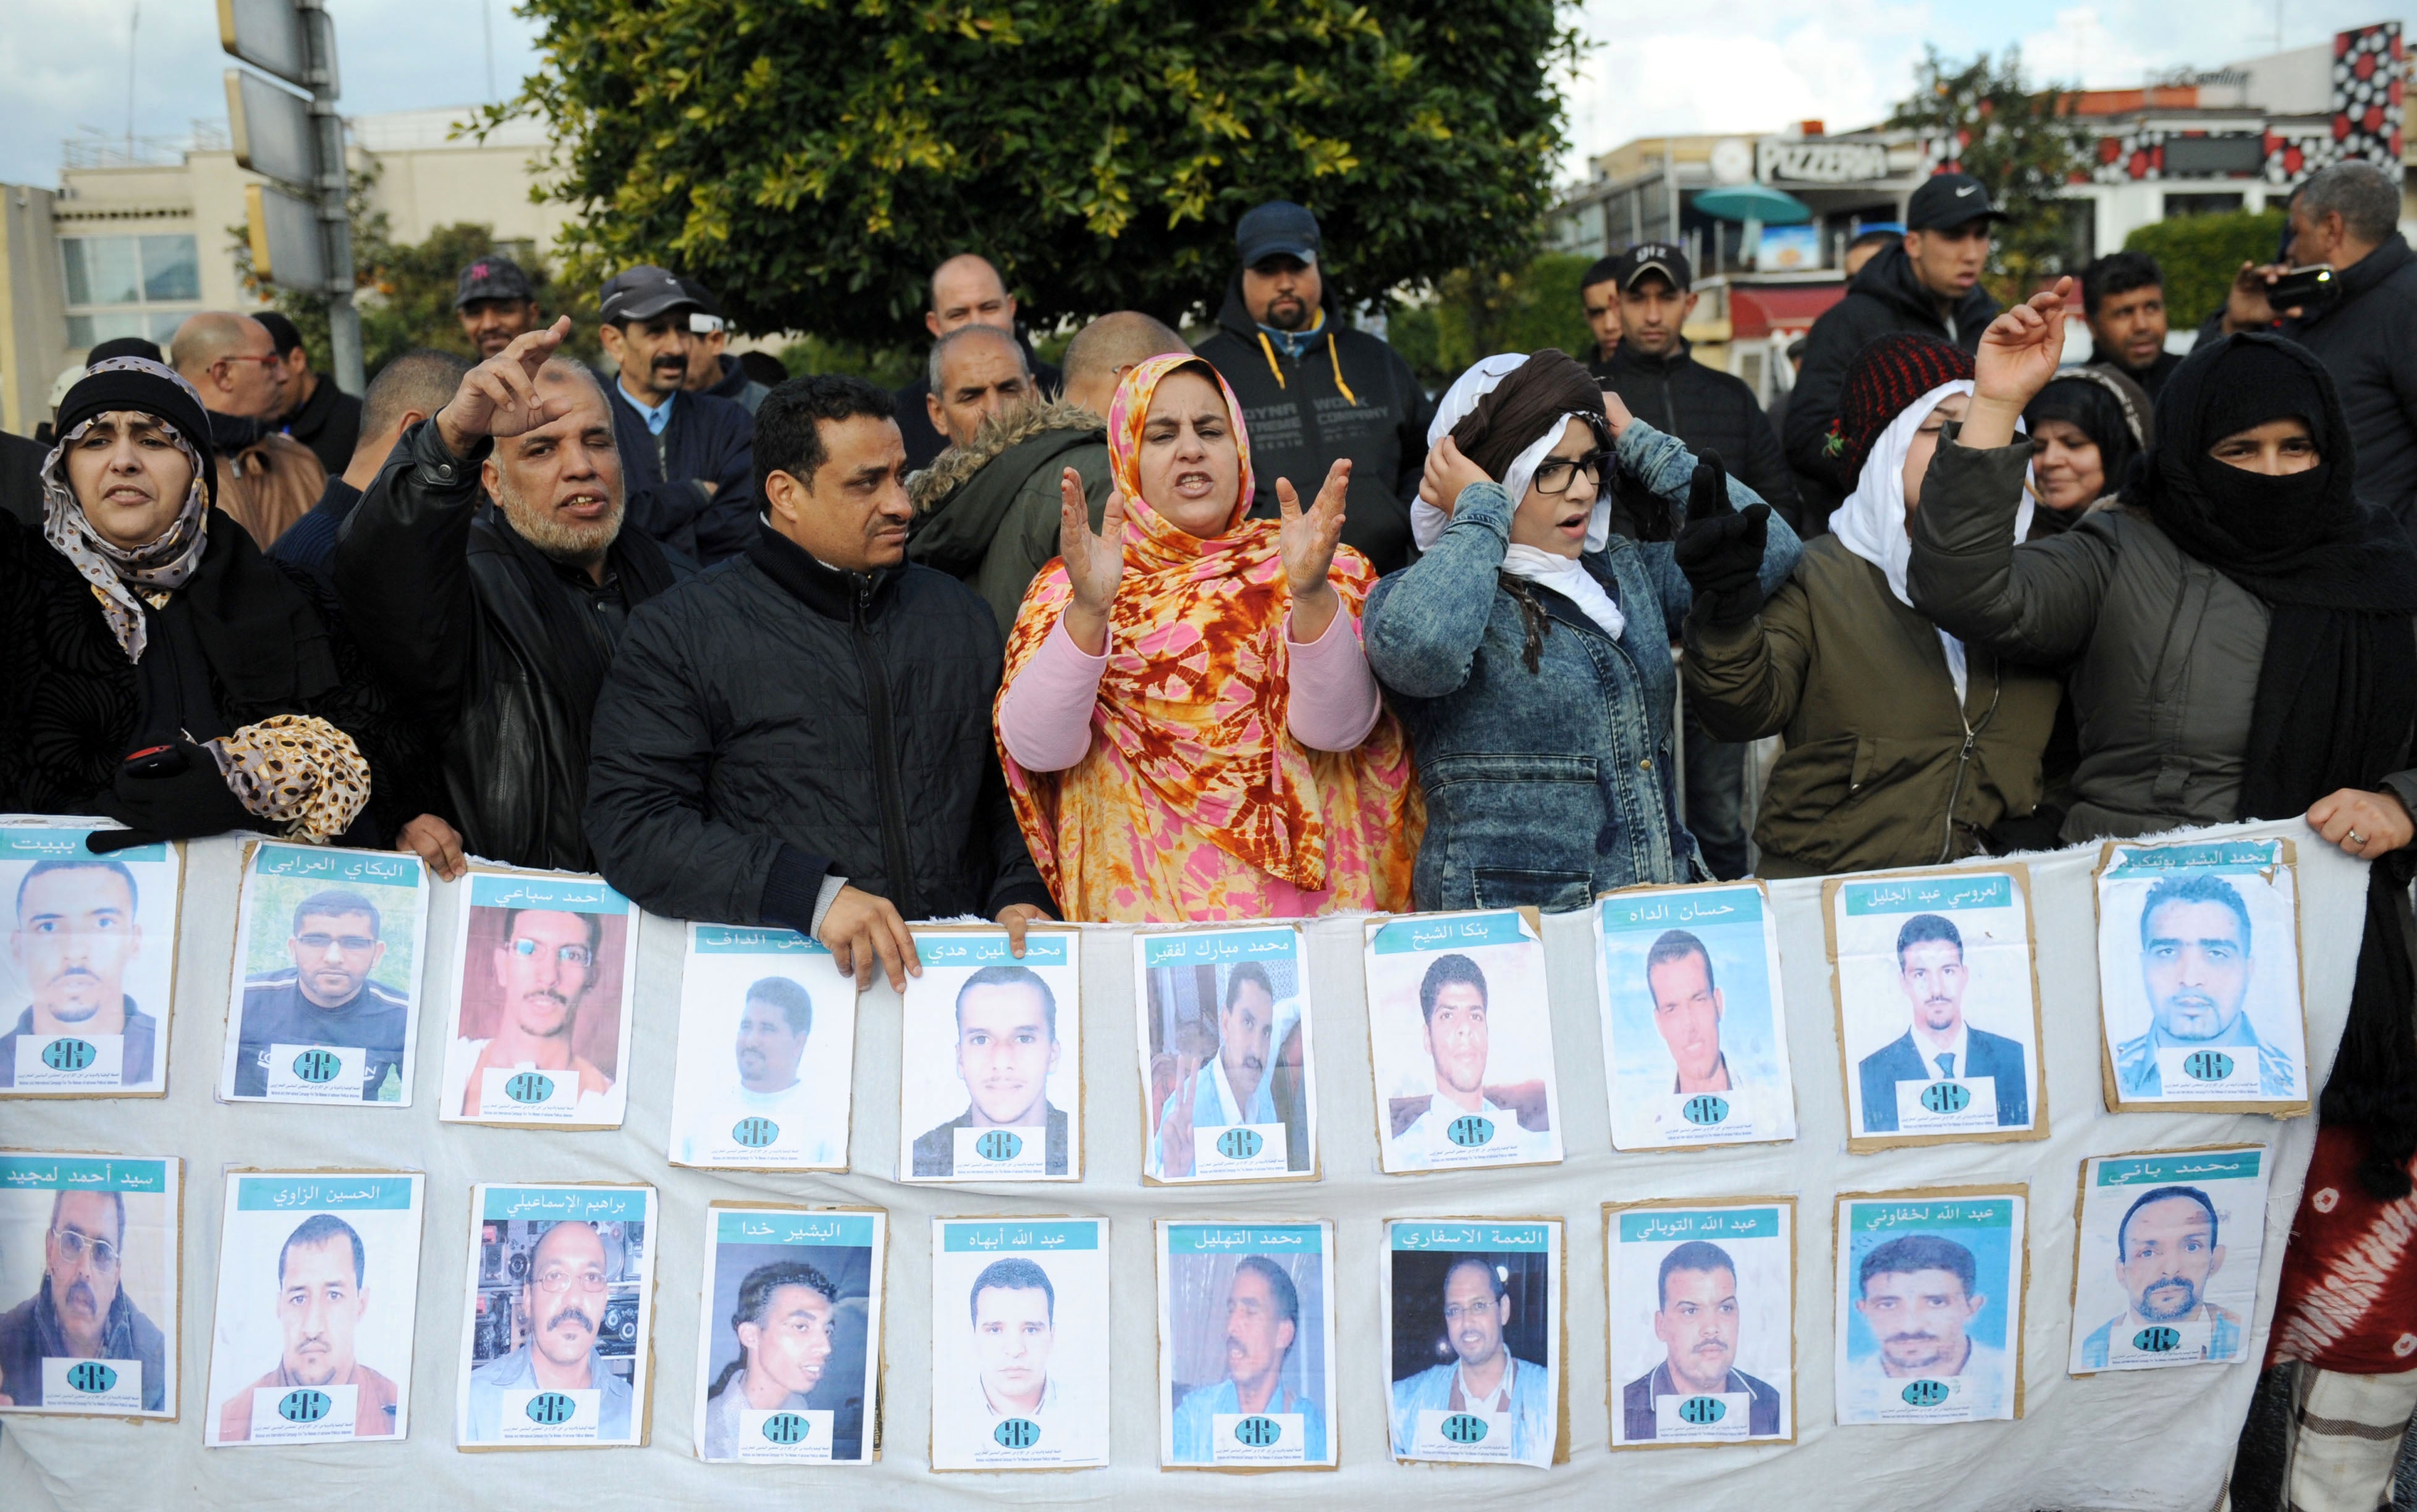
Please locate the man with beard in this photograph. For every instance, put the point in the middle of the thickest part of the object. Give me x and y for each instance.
(786, 1322)
(563, 1300)
(495, 623)
(686, 458)
(1459, 1034)
(543, 969)
(2165, 1252)
(774, 1024)
(495, 304)
(2195, 963)
(1483, 1377)
(1939, 1045)
(326, 998)
(322, 1296)
(1697, 1318)
(79, 1312)
(1916, 1294)
(1262, 1321)
(1007, 1046)
(1238, 1088)
(75, 937)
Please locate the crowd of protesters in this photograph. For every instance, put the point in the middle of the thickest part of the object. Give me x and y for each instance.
(1257, 628)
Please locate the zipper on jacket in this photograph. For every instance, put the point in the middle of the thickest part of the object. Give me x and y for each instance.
(1964, 759)
(885, 761)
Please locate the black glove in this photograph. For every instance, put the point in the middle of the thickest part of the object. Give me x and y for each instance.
(1720, 549)
(181, 803)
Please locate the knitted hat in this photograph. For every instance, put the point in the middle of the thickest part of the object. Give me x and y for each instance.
(1889, 374)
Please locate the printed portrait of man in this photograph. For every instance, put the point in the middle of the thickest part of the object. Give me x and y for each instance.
(75, 937)
(2197, 965)
(775, 1021)
(79, 1312)
(1014, 1310)
(322, 1296)
(1687, 1008)
(1007, 1046)
(563, 1300)
(788, 1327)
(1918, 1295)
(2167, 1250)
(1234, 1086)
(544, 967)
(1697, 1318)
(1456, 1027)
(1262, 1324)
(1482, 1376)
(1939, 1045)
(326, 998)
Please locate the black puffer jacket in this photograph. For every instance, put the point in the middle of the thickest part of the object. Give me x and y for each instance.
(1709, 410)
(2367, 339)
(775, 722)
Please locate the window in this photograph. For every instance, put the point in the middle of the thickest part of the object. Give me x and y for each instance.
(2232, 156)
(2181, 204)
(125, 286)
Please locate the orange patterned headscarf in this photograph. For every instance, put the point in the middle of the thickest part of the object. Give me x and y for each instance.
(1194, 802)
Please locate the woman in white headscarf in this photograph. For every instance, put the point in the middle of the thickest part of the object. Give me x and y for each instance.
(1904, 746)
(1527, 651)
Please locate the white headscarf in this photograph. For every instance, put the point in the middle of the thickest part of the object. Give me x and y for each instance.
(1872, 521)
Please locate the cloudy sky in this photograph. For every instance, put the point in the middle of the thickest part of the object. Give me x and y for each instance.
(1700, 66)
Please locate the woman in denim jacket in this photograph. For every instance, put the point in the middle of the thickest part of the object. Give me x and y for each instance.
(1528, 650)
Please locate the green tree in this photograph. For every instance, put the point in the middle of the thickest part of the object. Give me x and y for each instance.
(2200, 255)
(2023, 144)
(814, 159)
(1473, 314)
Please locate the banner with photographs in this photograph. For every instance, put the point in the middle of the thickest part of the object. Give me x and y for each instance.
(1930, 1305)
(559, 1318)
(92, 960)
(788, 1367)
(1703, 1322)
(1473, 1311)
(992, 1063)
(2166, 1270)
(94, 1243)
(545, 973)
(2198, 972)
(1229, 1089)
(1937, 1006)
(1461, 1034)
(1019, 1343)
(766, 1060)
(1245, 1345)
(1695, 1033)
(325, 1001)
(318, 1291)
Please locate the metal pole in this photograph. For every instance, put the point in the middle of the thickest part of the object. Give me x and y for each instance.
(335, 225)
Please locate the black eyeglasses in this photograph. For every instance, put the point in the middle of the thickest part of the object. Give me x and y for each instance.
(1554, 475)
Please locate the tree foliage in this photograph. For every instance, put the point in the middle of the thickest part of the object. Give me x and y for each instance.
(2200, 255)
(813, 160)
(1473, 314)
(2023, 144)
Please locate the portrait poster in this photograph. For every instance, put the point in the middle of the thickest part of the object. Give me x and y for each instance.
(788, 1364)
(1930, 1305)
(1245, 1346)
(91, 965)
(324, 1006)
(1937, 1006)
(1472, 1310)
(2165, 1272)
(1695, 1027)
(2199, 977)
(1702, 1321)
(1019, 1343)
(95, 1241)
(558, 1320)
(318, 1291)
(545, 970)
(1461, 1038)
(1229, 1085)
(766, 1054)
(992, 1058)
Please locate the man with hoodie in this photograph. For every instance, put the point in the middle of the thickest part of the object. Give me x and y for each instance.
(1314, 391)
(1929, 284)
(711, 369)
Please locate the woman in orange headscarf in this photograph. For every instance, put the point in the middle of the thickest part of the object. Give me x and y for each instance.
(1189, 725)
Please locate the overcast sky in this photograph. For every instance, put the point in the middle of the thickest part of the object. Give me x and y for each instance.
(1699, 65)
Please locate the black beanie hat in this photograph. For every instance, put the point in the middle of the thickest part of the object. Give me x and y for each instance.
(1887, 374)
(151, 387)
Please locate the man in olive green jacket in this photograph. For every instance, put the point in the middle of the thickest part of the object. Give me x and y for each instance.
(987, 512)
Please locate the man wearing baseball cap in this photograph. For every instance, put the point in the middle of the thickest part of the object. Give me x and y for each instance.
(710, 370)
(1316, 392)
(494, 302)
(1929, 284)
(688, 460)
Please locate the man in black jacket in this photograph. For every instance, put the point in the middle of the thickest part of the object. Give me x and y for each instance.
(803, 739)
(1314, 391)
(317, 413)
(711, 369)
(965, 290)
(686, 471)
(1929, 283)
(497, 621)
(2123, 297)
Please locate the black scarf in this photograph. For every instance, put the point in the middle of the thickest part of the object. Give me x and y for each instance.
(579, 667)
(2337, 690)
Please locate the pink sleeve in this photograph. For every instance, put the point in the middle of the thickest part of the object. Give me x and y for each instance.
(1045, 721)
(1334, 702)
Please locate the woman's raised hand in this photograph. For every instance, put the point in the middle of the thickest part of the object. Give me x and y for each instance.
(1307, 538)
(2018, 354)
(1448, 472)
(1095, 562)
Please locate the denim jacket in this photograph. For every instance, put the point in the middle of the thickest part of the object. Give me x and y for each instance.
(1553, 786)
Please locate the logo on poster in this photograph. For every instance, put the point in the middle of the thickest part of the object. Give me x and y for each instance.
(755, 1132)
(1017, 1433)
(68, 1055)
(1464, 1428)
(998, 1144)
(2208, 1065)
(1240, 1143)
(2157, 1339)
(1704, 1109)
(530, 1086)
(1258, 1432)
(787, 1428)
(1469, 1129)
(1946, 1098)
(1702, 1410)
(317, 1065)
(1926, 1393)
(305, 1406)
(92, 1376)
(550, 1408)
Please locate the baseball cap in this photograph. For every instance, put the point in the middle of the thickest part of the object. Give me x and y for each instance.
(707, 316)
(1276, 229)
(642, 292)
(1947, 200)
(491, 276)
(1651, 257)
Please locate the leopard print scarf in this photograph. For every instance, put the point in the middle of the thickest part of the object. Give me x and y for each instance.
(298, 771)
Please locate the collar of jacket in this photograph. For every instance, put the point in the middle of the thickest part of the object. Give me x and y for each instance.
(2365, 274)
(1235, 316)
(1626, 359)
(732, 381)
(1890, 278)
(935, 485)
(826, 591)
